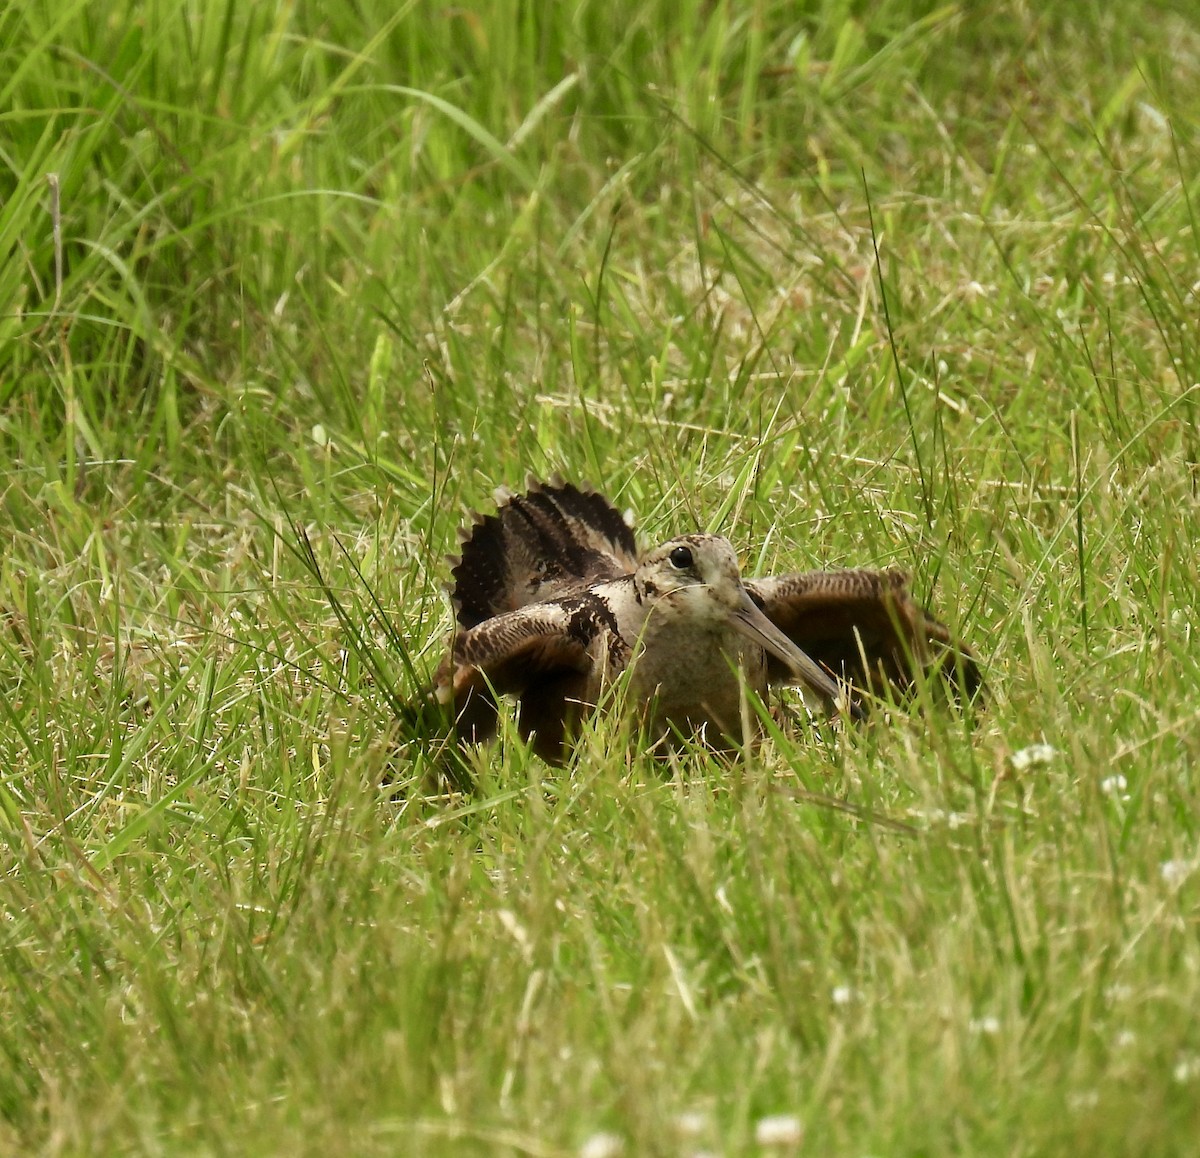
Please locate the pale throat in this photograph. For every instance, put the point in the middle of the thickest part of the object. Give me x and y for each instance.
(687, 647)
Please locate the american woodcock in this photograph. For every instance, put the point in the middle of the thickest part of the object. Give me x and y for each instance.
(553, 603)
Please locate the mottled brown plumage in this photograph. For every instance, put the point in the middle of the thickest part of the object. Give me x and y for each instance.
(552, 604)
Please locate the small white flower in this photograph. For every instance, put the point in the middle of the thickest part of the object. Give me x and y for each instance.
(1181, 623)
(1032, 757)
(778, 1130)
(691, 1123)
(1113, 785)
(988, 1025)
(602, 1145)
(842, 995)
(1187, 1068)
(1174, 872)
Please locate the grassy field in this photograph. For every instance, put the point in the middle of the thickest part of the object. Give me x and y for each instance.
(874, 284)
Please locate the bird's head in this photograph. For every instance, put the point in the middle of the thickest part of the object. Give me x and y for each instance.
(693, 569)
(698, 576)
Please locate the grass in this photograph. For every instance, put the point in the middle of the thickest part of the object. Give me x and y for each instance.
(889, 284)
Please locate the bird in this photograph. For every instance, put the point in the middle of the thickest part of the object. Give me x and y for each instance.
(555, 607)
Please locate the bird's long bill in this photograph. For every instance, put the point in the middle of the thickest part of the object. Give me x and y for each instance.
(754, 625)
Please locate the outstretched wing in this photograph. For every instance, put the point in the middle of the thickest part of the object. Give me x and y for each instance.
(552, 541)
(865, 627)
(542, 654)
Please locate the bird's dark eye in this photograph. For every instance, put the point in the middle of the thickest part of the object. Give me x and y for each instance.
(681, 558)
